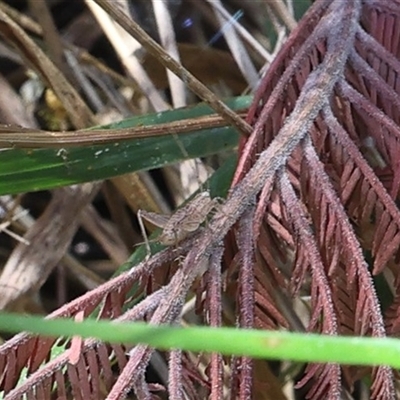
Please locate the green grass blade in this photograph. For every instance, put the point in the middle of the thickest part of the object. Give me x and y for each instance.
(282, 345)
(24, 170)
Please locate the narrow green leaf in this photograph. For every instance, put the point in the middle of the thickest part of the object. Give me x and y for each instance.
(229, 341)
(37, 169)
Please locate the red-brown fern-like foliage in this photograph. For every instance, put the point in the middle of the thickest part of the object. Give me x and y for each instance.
(314, 194)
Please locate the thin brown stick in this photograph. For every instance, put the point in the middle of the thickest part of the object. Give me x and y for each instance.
(11, 136)
(157, 51)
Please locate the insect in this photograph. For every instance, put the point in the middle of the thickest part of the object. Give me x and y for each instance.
(187, 219)
(182, 223)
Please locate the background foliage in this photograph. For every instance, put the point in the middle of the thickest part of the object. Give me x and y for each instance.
(306, 240)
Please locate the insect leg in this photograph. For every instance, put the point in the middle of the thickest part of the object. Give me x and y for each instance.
(144, 234)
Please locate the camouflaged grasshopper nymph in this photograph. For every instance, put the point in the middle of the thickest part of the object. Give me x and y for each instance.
(182, 223)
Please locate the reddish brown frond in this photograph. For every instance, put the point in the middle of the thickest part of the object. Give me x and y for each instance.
(392, 314)
(328, 378)
(338, 206)
(382, 388)
(24, 351)
(344, 293)
(85, 378)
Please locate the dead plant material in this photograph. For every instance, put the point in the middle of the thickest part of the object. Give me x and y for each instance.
(30, 265)
(77, 109)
